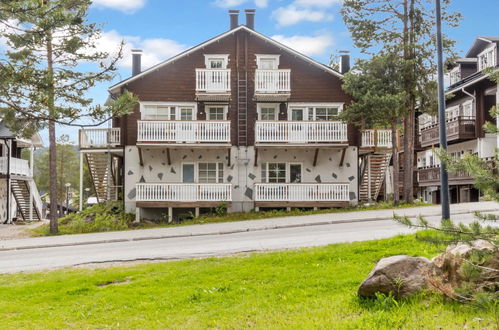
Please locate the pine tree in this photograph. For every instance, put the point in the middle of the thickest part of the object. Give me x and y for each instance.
(377, 90)
(43, 76)
(403, 27)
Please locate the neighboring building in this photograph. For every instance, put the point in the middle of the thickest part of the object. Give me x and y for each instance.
(19, 198)
(471, 95)
(239, 119)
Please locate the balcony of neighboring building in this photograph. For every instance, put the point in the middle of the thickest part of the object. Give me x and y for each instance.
(18, 167)
(183, 194)
(430, 176)
(100, 138)
(458, 129)
(302, 194)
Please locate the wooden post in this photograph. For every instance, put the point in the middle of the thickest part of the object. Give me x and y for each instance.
(30, 183)
(369, 177)
(81, 181)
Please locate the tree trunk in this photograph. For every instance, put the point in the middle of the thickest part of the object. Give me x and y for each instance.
(395, 155)
(52, 140)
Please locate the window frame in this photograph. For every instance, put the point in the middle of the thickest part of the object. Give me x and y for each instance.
(307, 107)
(274, 57)
(208, 107)
(219, 171)
(208, 58)
(275, 106)
(178, 106)
(287, 171)
(483, 58)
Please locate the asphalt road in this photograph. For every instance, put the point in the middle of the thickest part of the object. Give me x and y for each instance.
(202, 246)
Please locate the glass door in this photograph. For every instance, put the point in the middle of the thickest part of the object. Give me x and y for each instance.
(297, 131)
(186, 130)
(188, 173)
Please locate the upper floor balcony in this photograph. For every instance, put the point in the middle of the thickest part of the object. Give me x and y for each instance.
(214, 81)
(273, 81)
(99, 138)
(376, 139)
(17, 166)
(430, 176)
(187, 132)
(458, 129)
(300, 132)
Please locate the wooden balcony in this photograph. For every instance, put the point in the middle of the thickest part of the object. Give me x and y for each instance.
(301, 194)
(215, 81)
(183, 132)
(458, 129)
(304, 133)
(376, 139)
(17, 167)
(430, 176)
(183, 194)
(99, 138)
(272, 81)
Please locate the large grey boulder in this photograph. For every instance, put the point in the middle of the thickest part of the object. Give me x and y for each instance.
(400, 275)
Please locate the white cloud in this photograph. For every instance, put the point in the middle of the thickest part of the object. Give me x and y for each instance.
(291, 14)
(311, 46)
(317, 3)
(154, 50)
(123, 5)
(235, 3)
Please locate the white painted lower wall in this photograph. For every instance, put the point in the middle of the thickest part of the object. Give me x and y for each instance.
(242, 173)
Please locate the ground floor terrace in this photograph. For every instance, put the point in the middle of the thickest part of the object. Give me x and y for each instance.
(172, 182)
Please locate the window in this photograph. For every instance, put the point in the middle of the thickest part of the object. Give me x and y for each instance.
(320, 112)
(210, 172)
(468, 109)
(452, 112)
(167, 112)
(216, 113)
(267, 62)
(217, 61)
(268, 111)
(487, 58)
(455, 75)
(274, 172)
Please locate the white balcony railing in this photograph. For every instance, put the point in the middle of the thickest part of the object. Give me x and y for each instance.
(301, 131)
(273, 81)
(17, 166)
(184, 192)
(302, 192)
(381, 138)
(213, 80)
(100, 137)
(184, 131)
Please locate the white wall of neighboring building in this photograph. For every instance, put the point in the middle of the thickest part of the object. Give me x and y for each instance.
(241, 173)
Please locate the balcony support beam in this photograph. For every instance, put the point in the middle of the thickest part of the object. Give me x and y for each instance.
(343, 152)
(316, 155)
(169, 160)
(141, 159)
(228, 157)
(256, 157)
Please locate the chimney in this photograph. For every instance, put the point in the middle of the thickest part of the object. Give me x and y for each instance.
(250, 18)
(344, 61)
(136, 61)
(234, 18)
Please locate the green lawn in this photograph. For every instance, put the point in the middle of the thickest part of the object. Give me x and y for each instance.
(304, 289)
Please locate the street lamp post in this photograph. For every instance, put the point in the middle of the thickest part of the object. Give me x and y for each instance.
(68, 186)
(444, 179)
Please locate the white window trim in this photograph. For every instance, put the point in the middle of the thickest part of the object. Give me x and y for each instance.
(196, 170)
(208, 106)
(208, 57)
(259, 107)
(453, 72)
(271, 56)
(492, 50)
(287, 170)
(177, 106)
(472, 107)
(305, 106)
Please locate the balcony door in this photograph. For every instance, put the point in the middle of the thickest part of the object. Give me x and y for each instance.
(297, 129)
(186, 130)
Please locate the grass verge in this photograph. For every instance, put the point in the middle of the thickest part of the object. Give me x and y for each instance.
(111, 217)
(302, 289)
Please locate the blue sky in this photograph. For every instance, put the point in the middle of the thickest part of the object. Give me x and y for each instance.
(163, 28)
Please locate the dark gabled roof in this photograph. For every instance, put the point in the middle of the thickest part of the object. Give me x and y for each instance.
(479, 44)
(204, 44)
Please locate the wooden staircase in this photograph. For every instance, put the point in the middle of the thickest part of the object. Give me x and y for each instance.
(21, 192)
(373, 176)
(102, 176)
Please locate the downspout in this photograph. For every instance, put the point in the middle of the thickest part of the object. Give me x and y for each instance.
(469, 94)
(8, 182)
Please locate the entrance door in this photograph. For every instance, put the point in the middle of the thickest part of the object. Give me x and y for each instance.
(297, 130)
(186, 130)
(295, 173)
